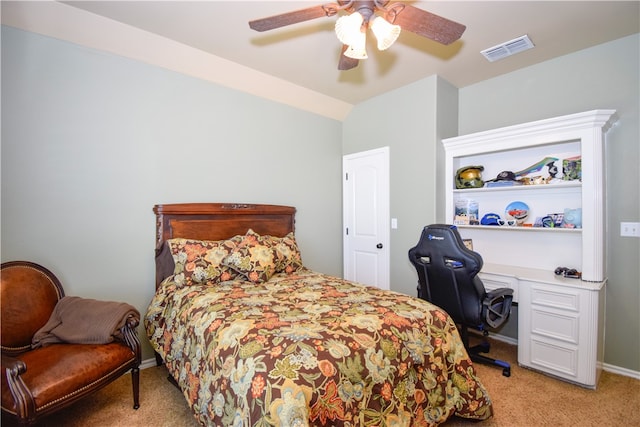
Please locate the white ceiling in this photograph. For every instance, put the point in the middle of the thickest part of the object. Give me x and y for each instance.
(306, 54)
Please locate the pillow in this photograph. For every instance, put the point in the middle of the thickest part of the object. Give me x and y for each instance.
(254, 257)
(289, 256)
(200, 261)
(164, 262)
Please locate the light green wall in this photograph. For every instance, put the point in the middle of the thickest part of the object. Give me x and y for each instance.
(406, 120)
(605, 76)
(91, 141)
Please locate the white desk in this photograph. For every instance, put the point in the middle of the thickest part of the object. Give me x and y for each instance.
(560, 321)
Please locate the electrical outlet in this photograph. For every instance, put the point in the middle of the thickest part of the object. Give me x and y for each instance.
(630, 229)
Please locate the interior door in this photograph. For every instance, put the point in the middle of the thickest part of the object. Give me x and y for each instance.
(366, 217)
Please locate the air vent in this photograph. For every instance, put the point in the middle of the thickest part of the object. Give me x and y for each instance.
(509, 48)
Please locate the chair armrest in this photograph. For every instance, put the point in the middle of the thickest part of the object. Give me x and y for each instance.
(16, 366)
(497, 293)
(496, 306)
(130, 336)
(132, 322)
(13, 369)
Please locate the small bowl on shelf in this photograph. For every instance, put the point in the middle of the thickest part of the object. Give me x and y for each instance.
(517, 211)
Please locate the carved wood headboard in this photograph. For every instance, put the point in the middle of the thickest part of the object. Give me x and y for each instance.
(218, 221)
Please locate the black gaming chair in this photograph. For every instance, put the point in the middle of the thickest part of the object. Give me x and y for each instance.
(447, 277)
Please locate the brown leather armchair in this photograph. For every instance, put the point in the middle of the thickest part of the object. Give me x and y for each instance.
(37, 382)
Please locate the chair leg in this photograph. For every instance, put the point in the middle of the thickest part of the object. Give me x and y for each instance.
(159, 361)
(135, 380)
(173, 381)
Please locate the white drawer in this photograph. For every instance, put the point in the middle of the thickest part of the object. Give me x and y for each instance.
(556, 297)
(558, 325)
(554, 358)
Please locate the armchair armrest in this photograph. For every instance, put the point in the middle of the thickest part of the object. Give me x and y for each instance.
(496, 306)
(13, 369)
(132, 322)
(15, 366)
(129, 334)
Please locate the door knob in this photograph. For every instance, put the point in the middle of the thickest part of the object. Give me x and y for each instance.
(379, 246)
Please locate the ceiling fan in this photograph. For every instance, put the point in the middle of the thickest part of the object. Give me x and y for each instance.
(385, 19)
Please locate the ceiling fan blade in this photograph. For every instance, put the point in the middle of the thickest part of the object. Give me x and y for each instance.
(294, 17)
(345, 63)
(424, 23)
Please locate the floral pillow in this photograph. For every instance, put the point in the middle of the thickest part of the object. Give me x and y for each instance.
(200, 261)
(254, 257)
(289, 256)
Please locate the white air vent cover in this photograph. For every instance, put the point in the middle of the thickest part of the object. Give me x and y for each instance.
(508, 48)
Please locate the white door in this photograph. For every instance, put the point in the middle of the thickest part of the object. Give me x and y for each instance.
(366, 217)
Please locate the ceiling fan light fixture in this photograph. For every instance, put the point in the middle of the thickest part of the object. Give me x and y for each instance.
(385, 18)
(349, 27)
(356, 53)
(357, 50)
(385, 32)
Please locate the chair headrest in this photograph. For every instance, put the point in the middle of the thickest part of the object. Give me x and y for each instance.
(442, 243)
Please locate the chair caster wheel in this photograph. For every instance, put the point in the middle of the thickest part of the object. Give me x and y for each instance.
(485, 347)
(506, 372)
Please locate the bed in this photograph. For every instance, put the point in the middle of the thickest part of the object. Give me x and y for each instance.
(254, 338)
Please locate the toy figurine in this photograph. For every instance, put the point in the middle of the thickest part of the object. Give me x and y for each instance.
(572, 168)
(536, 167)
(552, 168)
(469, 177)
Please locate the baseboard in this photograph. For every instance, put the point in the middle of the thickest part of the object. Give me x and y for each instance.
(605, 366)
(148, 363)
(621, 371)
(504, 338)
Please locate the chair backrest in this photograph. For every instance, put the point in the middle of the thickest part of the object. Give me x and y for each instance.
(29, 293)
(447, 273)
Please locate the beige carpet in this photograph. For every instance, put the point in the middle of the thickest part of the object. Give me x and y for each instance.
(526, 398)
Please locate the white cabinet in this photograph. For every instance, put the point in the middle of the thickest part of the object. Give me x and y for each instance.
(561, 329)
(560, 320)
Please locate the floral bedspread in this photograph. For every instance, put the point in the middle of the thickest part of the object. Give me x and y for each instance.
(312, 350)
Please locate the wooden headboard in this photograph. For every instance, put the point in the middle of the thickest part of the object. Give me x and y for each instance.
(217, 221)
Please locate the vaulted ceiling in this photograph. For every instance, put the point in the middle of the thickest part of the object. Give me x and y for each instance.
(306, 54)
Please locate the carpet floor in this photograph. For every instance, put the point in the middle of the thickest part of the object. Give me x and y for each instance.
(527, 398)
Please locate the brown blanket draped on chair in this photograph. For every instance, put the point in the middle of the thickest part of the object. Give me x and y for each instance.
(84, 321)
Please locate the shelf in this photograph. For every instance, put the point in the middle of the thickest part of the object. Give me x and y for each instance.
(523, 229)
(520, 188)
(581, 134)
